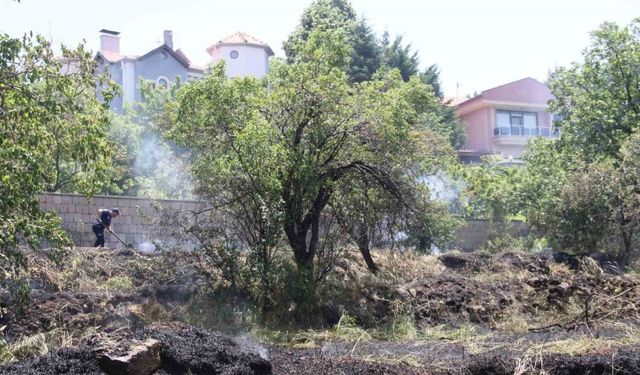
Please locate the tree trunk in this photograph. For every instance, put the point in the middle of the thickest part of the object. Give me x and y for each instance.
(423, 243)
(625, 257)
(362, 240)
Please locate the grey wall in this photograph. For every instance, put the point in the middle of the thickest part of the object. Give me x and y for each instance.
(156, 65)
(135, 225)
(151, 67)
(475, 233)
(115, 70)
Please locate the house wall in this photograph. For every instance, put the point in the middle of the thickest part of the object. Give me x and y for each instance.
(159, 64)
(251, 60)
(479, 114)
(479, 130)
(116, 75)
(524, 91)
(135, 225)
(514, 151)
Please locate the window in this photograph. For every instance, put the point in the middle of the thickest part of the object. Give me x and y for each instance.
(516, 123)
(162, 82)
(234, 54)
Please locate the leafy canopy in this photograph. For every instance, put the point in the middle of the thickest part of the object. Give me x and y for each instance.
(52, 133)
(581, 190)
(282, 150)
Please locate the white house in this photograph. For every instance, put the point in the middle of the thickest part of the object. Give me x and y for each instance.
(244, 55)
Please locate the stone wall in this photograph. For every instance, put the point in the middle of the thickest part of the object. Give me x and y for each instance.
(135, 224)
(475, 233)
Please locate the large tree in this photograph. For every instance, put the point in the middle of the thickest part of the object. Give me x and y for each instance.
(338, 15)
(396, 55)
(581, 189)
(52, 132)
(282, 149)
(599, 99)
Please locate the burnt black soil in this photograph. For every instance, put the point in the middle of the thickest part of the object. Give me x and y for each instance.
(313, 362)
(185, 350)
(64, 361)
(193, 351)
(625, 361)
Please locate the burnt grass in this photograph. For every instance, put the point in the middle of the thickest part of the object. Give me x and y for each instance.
(455, 290)
(308, 362)
(184, 351)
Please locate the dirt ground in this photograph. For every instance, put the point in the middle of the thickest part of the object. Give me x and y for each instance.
(184, 350)
(625, 361)
(511, 313)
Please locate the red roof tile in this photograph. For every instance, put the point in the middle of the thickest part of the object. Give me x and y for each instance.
(242, 38)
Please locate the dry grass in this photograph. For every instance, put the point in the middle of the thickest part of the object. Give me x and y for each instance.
(43, 343)
(119, 282)
(89, 269)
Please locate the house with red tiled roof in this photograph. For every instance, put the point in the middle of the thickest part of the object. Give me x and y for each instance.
(162, 65)
(502, 120)
(243, 54)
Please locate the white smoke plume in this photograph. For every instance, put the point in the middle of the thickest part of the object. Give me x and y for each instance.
(162, 170)
(146, 248)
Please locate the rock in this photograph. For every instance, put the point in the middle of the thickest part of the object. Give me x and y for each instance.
(141, 359)
(457, 261)
(190, 350)
(570, 260)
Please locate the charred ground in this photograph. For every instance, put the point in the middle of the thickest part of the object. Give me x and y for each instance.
(454, 314)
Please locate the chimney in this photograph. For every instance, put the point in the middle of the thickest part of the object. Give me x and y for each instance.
(168, 38)
(109, 41)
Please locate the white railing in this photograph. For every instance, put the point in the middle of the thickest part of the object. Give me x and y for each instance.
(521, 131)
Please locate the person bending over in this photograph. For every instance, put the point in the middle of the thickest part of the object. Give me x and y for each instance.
(103, 221)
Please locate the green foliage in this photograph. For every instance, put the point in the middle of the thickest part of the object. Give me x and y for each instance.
(599, 100)
(52, 134)
(581, 190)
(275, 152)
(493, 191)
(119, 282)
(125, 137)
(395, 55)
(339, 16)
(431, 77)
(368, 55)
(443, 119)
(145, 164)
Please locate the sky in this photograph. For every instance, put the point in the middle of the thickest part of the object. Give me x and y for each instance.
(477, 44)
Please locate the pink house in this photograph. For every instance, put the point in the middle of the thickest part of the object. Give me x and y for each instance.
(501, 120)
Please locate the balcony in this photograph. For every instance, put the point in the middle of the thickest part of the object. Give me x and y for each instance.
(521, 131)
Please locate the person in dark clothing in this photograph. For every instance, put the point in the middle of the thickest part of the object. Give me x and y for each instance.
(103, 221)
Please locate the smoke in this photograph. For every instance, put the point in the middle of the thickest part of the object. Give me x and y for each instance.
(162, 169)
(443, 187)
(146, 248)
(248, 344)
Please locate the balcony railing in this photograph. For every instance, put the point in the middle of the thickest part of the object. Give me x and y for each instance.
(521, 131)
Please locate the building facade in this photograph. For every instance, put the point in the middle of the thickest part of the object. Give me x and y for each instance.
(501, 120)
(243, 54)
(161, 65)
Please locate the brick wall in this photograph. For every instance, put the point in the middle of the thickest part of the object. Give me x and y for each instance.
(135, 226)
